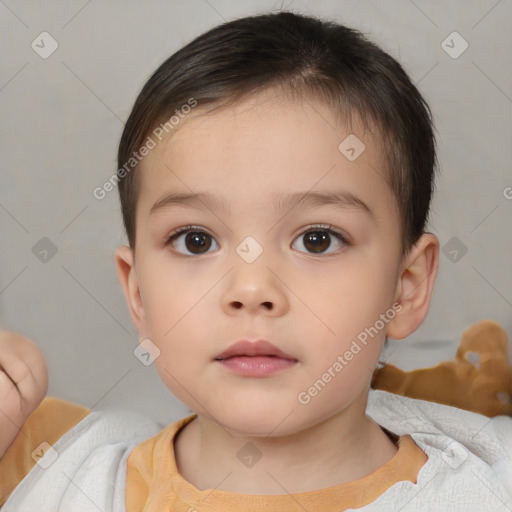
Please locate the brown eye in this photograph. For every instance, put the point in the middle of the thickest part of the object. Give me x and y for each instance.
(190, 242)
(197, 241)
(319, 239)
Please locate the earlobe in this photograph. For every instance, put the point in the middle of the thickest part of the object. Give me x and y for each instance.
(415, 286)
(130, 284)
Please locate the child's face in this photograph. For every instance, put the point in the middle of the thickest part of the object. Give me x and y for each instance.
(197, 300)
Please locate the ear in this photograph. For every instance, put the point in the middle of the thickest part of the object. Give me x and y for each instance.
(415, 284)
(130, 283)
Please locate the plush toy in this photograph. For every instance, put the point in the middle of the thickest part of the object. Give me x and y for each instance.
(478, 380)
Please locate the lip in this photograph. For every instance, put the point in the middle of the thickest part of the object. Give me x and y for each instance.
(256, 366)
(252, 349)
(255, 359)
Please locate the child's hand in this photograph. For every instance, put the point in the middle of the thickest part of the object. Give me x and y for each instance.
(23, 384)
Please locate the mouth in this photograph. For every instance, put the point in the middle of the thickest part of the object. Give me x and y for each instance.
(255, 359)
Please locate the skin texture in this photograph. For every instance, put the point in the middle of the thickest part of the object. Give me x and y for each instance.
(23, 384)
(310, 305)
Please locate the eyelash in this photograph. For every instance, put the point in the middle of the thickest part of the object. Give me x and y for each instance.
(325, 228)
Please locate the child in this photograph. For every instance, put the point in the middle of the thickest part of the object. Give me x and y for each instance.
(275, 178)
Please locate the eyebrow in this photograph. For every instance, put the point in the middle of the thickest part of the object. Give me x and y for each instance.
(306, 200)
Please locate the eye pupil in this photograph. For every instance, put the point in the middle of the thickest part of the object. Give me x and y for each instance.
(195, 240)
(319, 239)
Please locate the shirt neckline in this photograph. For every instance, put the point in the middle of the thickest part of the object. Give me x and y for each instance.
(404, 465)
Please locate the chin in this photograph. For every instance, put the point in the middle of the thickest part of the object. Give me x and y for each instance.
(251, 421)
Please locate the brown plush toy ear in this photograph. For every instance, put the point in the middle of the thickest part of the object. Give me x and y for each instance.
(479, 380)
(485, 346)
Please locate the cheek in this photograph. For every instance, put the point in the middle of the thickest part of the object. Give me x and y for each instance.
(176, 317)
(346, 302)
(167, 296)
(344, 317)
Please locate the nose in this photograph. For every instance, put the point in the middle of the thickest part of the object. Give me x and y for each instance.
(254, 289)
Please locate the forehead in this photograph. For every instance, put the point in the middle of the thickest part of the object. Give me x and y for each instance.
(261, 145)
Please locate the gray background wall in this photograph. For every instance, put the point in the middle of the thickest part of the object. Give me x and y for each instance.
(62, 116)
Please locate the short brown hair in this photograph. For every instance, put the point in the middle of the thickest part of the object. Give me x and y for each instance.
(307, 57)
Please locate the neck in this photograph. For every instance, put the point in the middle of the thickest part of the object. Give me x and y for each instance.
(341, 449)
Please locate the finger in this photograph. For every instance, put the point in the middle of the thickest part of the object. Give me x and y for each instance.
(10, 402)
(3, 371)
